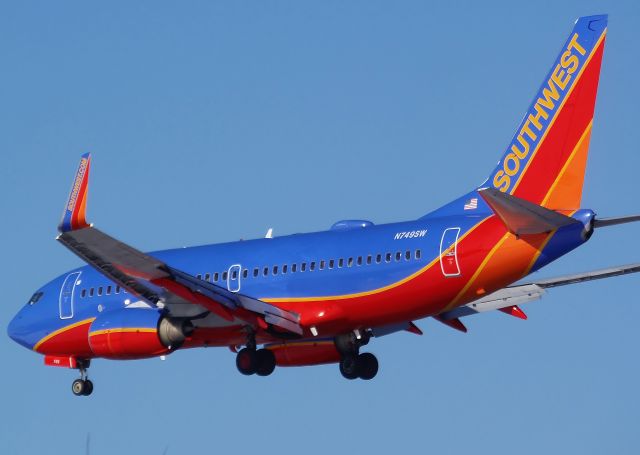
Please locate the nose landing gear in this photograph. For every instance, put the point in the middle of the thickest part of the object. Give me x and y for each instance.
(82, 386)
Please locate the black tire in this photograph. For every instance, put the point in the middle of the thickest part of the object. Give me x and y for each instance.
(349, 367)
(246, 361)
(367, 366)
(77, 387)
(88, 388)
(265, 362)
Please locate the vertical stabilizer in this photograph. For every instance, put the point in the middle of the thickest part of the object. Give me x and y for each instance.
(546, 159)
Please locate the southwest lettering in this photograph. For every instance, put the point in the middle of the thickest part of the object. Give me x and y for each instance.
(502, 181)
(511, 157)
(540, 115)
(525, 148)
(557, 78)
(573, 44)
(569, 61)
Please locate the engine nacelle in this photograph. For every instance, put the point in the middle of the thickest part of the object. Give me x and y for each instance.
(136, 333)
(303, 353)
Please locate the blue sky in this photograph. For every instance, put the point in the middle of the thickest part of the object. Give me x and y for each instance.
(212, 121)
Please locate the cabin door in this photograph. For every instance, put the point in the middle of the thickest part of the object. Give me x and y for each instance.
(449, 252)
(67, 293)
(233, 278)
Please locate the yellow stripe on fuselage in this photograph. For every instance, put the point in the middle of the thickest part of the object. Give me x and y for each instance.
(373, 291)
(124, 330)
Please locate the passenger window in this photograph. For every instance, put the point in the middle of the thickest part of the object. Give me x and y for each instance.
(265, 271)
(117, 289)
(108, 290)
(83, 294)
(349, 262)
(330, 263)
(398, 256)
(407, 255)
(91, 292)
(224, 276)
(378, 258)
(207, 277)
(369, 259)
(199, 276)
(321, 265)
(312, 266)
(245, 273)
(387, 257)
(284, 268)
(418, 254)
(234, 274)
(215, 277)
(100, 290)
(294, 268)
(359, 260)
(303, 266)
(275, 269)
(340, 263)
(255, 272)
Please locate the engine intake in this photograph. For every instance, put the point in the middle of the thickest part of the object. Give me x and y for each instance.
(173, 332)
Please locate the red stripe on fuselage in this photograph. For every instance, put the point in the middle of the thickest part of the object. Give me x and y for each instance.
(424, 295)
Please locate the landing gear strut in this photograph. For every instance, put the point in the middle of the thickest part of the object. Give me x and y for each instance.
(255, 361)
(354, 364)
(82, 386)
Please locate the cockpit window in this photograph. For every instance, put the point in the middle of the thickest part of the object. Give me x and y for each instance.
(35, 297)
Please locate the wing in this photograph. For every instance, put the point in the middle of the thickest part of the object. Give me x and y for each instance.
(153, 280)
(508, 299)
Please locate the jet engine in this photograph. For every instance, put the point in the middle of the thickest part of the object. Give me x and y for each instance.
(136, 333)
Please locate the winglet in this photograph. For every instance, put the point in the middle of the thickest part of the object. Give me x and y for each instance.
(73, 217)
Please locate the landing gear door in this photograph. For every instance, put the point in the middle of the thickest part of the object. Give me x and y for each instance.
(67, 294)
(449, 252)
(233, 278)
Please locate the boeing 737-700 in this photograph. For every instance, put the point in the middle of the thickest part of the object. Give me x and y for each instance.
(317, 298)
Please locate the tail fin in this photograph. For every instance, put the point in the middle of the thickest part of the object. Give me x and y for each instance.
(546, 159)
(73, 216)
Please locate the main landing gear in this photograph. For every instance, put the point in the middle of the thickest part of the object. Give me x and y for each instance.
(354, 364)
(82, 386)
(255, 361)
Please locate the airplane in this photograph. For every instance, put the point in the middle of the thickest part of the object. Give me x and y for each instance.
(318, 298)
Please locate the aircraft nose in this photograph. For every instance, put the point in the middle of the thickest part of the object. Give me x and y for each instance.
(18, 331)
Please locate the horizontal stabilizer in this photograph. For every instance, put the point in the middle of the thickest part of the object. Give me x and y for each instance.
(588, 276)
(523, 217)
(604, 222)
(508, 299)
